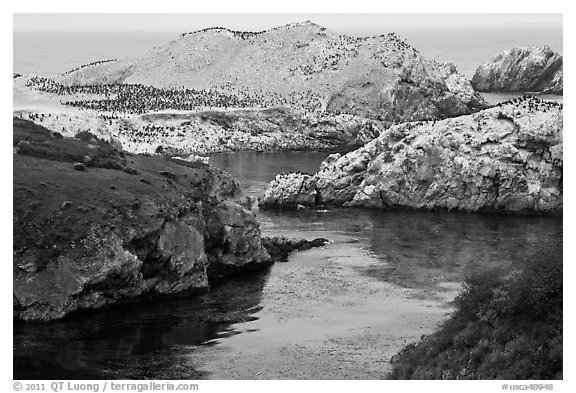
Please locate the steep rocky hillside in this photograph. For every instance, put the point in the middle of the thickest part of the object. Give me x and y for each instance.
(522, 70)
(301, 65)
(504, 159)
(94, 227)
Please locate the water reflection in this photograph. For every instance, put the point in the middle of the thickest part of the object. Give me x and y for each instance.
(417, 249)
(425, 249)
(255, 170)
(138, 341)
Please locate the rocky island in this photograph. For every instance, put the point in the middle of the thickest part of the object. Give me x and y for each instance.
(294, 87)
(116, 201)
(504, 159)
(534, 69)
(96, 225)
(301, 65)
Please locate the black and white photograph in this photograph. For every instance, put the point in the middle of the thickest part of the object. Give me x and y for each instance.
(301, 196)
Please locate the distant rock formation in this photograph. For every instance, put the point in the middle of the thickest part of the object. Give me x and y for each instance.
(99, 237)
(504, 159)
(522, 70)
(203, 132)
(301, 65)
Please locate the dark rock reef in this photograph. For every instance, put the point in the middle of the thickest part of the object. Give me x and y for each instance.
(522, 70)
(506, 159)
(280, 247)
(125, 227)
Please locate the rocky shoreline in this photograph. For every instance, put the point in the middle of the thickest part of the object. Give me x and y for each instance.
(115, 202)
(122, 228)
(507, 159)
(96, 227)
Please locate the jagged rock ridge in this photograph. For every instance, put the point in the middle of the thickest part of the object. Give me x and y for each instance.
(504, 159)
(522, 70)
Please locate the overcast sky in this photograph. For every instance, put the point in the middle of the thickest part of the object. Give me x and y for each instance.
(340, 23)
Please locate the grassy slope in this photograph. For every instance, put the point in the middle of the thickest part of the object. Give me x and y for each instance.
(55, 205)
(507, 325)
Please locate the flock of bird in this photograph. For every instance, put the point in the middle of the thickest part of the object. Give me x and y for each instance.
(532, 103)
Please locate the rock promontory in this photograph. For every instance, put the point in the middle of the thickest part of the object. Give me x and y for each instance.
(505, 159)
(95, 227)
(534, 69)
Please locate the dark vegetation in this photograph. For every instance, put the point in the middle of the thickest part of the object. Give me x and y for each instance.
(55, 205)
(507, 324)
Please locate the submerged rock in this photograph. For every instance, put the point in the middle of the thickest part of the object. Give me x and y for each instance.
(280, 247)
(522, 70)
(504, 159)
(95, 239)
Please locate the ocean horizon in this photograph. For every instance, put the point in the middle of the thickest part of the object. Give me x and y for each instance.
(52, 53)
(327, 201)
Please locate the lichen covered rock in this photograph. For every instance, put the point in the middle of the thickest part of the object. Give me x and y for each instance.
(504, 159)
(290, 190)
(522, 70)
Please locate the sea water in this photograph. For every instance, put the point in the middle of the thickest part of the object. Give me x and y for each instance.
(51, 53)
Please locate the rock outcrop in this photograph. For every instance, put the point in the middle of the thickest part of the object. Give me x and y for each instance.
(303, 66)
(280, 247)
(216, 131)
(273, 129)
(522, 70)
(289, 190)
(504, 159)
(107, 235)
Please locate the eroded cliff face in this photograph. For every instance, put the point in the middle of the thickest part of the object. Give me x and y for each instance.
(522, 70)
(504, 159)
(92, 238)
(419, 89)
